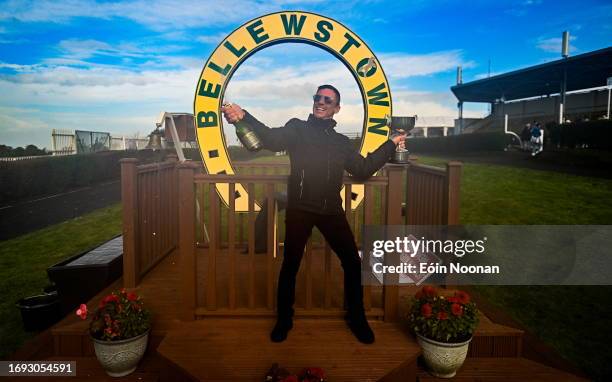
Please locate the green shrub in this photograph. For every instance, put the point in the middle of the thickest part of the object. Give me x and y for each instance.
(594, 134)
(491, 141)
(26, 179)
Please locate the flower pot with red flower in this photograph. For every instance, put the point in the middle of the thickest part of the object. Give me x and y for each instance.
(444, 326)
(119, 329)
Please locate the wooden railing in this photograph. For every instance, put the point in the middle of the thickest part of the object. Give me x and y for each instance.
(166, 205)
(257, 301)
(150, 213)
(432, 194)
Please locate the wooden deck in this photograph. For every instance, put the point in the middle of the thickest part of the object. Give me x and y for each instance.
(238, 349)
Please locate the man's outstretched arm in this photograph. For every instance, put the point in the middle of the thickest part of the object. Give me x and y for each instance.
(273, 139)
(362, 168)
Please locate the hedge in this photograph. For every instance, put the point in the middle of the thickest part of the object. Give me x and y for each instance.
(592, 134)
(26, 179)
(490, 141)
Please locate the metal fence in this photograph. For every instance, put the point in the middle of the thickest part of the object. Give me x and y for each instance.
(68, 142)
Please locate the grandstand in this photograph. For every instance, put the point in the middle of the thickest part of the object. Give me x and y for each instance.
(570, 89)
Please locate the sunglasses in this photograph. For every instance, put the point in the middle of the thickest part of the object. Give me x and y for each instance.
(326, 99)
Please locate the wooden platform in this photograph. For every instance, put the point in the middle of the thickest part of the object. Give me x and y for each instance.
(239, 349)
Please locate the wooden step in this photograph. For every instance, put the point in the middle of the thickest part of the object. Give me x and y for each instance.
(240, 350)
(495, 340)
(502, 369)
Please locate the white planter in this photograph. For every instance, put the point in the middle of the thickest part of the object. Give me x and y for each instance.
(120, 358)
(443, 359)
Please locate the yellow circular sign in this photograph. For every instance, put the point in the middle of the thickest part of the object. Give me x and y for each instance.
(285, 27)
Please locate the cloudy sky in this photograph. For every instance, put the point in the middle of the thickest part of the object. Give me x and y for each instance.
(115, 65)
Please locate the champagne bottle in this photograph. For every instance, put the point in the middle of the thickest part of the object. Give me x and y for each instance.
(246, 135)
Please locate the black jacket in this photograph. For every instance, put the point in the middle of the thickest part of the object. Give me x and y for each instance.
(319, 155)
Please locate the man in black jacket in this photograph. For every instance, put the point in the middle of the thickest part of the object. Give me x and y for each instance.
(319, 155)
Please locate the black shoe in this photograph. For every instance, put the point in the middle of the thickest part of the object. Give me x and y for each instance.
(282, 327)
(360, 328)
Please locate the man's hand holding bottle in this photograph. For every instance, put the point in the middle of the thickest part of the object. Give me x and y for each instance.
(233, 113)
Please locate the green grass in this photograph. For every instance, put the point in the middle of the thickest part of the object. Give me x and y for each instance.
(574, 320)
(25, 259)
(492, 194)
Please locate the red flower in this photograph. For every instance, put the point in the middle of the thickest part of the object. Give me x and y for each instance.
(132, 296)
(82, 311)
(457, 309)
(429, 291)
(110, 298)
(452, 299)
(312, 374)
(442, 316)
(463, 297)
(426, 310)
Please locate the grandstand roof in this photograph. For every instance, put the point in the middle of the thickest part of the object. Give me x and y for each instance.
(584, 71)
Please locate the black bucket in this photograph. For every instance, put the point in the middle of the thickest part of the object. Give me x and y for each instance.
(50, 289)
(39, 312)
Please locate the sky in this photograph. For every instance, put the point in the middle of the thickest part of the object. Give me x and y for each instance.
(113, 66)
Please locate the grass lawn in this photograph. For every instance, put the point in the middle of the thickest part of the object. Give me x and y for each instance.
(24, 261)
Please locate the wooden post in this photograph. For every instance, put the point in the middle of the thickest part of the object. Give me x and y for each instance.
(186, 227)
(231, 227)
(368, 201)
(214, 230)
(453, 192)
(394, 217)
(251, 244)
(270, 244)
(129, 200)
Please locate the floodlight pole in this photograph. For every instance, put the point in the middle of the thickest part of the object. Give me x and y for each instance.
(565, 54)
(460, 104)
(608, 113)
(609, 84)
(563, 89)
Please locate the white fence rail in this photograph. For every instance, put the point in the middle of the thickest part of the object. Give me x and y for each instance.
(13, 159)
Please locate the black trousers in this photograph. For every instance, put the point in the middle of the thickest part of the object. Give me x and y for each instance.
(337, 232)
